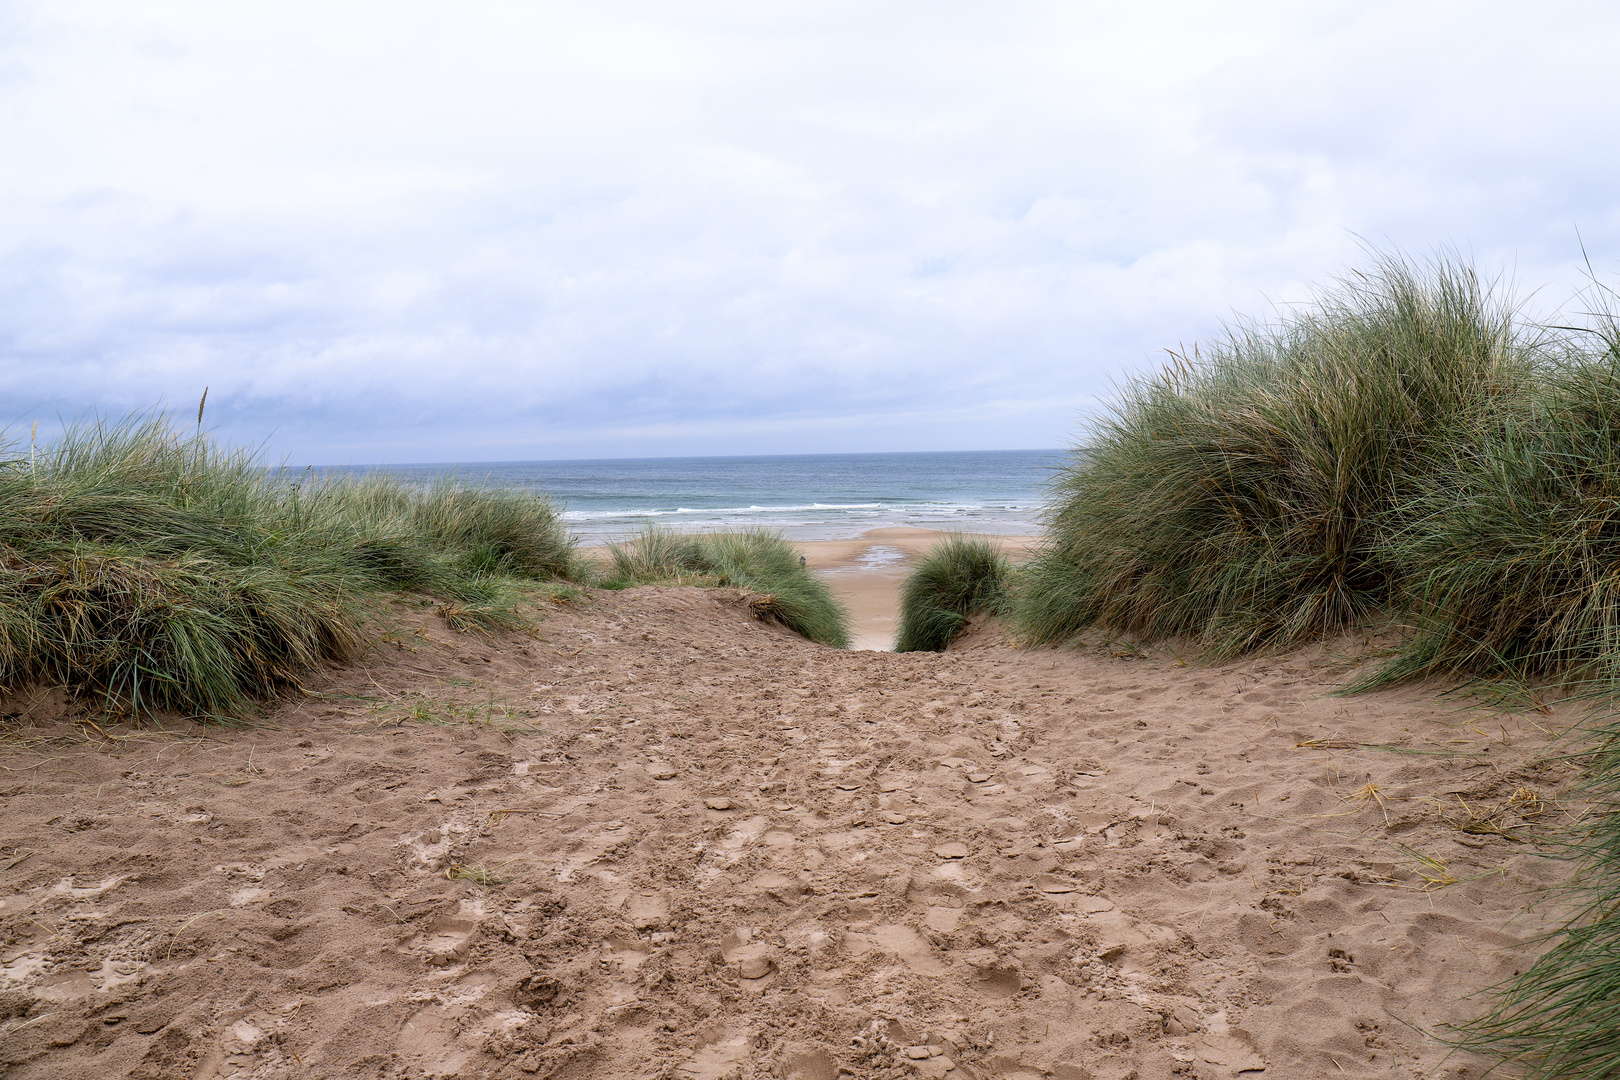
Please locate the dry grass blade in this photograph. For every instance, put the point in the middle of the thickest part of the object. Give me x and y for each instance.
(18, 861)
(1368, 794)
(1526, 802)
(1436, 874)
(477, 873)
(1480, 823)
(498, 816)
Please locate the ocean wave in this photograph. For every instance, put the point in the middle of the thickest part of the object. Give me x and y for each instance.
(718, 511)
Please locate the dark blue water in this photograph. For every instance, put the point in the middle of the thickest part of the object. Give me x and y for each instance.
(807, 496)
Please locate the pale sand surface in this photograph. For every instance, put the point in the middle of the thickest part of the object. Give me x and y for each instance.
(664, 840)
(866, 573)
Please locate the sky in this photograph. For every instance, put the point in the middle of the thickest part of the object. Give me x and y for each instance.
(405, 231)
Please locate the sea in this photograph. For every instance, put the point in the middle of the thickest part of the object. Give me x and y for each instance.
(805, 496)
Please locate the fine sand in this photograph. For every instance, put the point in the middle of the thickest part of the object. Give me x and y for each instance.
(664, 840)
(866, 573)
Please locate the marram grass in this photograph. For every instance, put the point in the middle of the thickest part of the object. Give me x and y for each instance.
(1512, 552)
(1240, 497)
(958, 577)
(146, 570)
(760, 561)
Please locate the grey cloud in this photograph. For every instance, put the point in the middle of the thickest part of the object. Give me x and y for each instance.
(546, 230)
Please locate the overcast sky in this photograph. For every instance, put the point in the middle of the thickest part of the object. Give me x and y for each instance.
(404, 231)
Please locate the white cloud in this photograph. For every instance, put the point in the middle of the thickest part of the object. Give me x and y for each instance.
(414, 231)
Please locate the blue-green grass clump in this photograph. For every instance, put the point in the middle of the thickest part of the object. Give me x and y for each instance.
(956, 578)
(760, 561)
(1512, 552)
(1241, 498)
(145, 570)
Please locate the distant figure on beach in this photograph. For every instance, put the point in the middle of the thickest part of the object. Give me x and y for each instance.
(801, 562)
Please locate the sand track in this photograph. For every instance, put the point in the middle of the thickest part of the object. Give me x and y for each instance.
(669, 841)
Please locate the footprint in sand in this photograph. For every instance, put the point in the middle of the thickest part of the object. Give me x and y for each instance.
(1233, 1054)
(625, 952)
(242, 1049)
(719, 1056)
(992, 974)
(428, 1041)
(647, 911)
(754, 961)
(902, 941)
(783, 887)
(250, 895)
(446, 940)
(433, 855)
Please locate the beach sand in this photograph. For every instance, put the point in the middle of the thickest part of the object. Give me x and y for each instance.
(663, 839)
(866, 573)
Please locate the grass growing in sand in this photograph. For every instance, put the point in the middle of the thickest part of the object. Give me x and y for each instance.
(1242, 496)
(957, 577)
(1407, 448)
(762, 562)
(145, 569)
(1513, 553)
(1561, 1017)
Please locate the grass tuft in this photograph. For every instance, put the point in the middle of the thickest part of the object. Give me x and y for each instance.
(1513, 549)
(762, 562)
(1240, 497)
(144, 569)
(956, 578)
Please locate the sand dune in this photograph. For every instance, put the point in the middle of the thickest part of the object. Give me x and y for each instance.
(665, 840)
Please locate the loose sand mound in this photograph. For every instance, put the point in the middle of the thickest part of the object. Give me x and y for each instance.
(668, 841)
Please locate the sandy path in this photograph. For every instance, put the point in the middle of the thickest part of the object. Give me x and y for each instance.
(668, 841)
